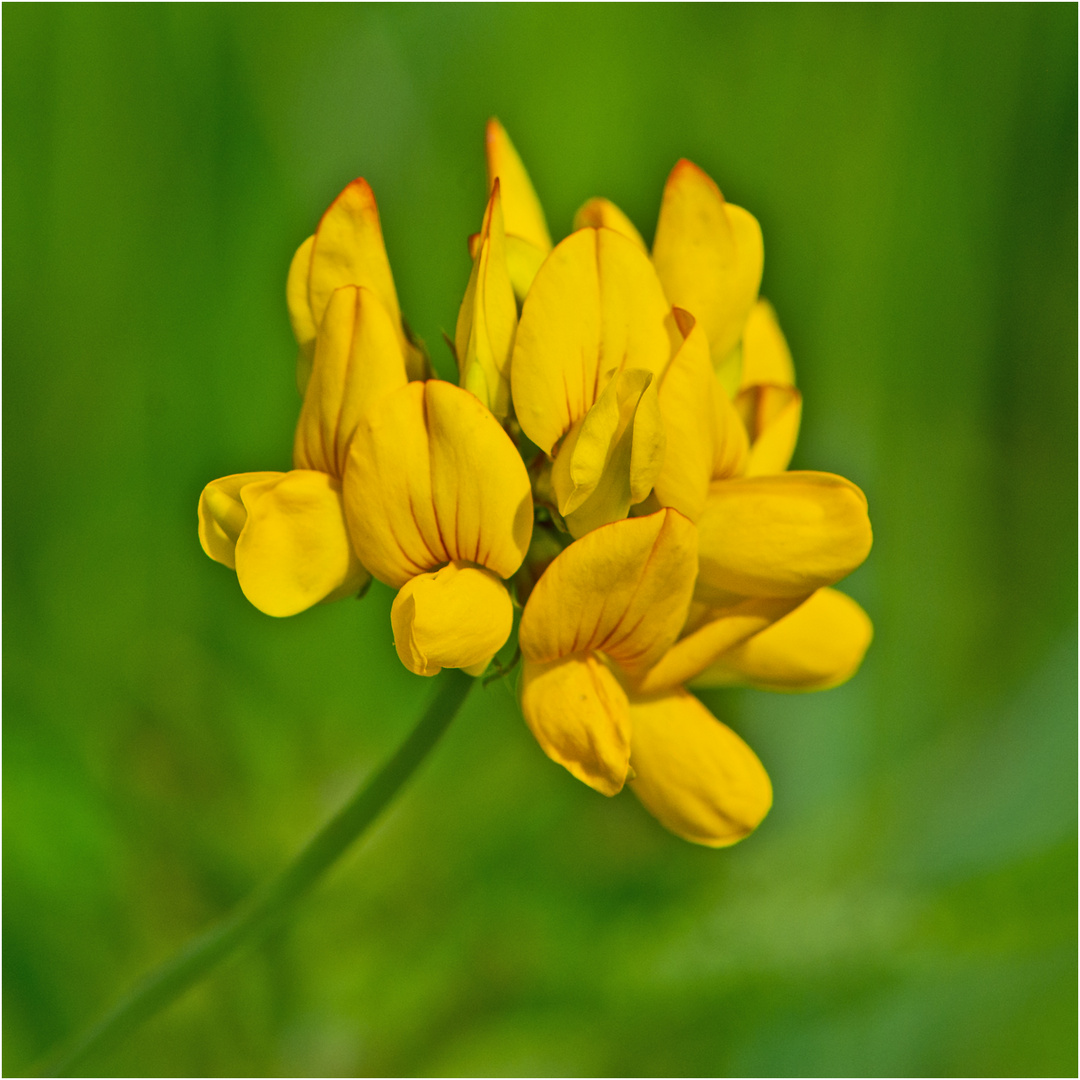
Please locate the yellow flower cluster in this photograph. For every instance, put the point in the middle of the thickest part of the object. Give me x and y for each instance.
(614, 459)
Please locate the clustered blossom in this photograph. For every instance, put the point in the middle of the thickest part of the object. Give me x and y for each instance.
(613, 462)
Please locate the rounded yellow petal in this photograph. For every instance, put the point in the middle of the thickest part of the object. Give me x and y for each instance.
(459, 616)
(783, 535)
(294, 549)
(358, 360)
(595, 308)
(431, 478)
(579, 714)
(523, 213)
(624, 590)
(222, 514)
(766, 357)
(694, 774)
(819, 645)
(708, 255)
(597, 213)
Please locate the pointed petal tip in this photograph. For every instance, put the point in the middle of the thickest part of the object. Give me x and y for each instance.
(685, 170)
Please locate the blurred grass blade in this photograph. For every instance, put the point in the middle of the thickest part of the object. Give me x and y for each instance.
(197, 959)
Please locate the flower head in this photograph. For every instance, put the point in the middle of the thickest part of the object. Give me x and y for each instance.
(614, 460)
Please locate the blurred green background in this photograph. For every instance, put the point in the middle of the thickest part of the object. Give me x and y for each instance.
(909, 906)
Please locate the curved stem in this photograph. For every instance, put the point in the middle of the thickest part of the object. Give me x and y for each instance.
(165, 984)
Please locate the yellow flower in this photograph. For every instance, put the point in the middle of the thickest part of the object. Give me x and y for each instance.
(605, 613)
(285, 534)
(439, 507)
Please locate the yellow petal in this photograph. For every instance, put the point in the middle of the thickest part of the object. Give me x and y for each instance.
(523, 213)
(523, 261)
(783, 535)
(610, 459)
(766, 357)
(709, 256)
(294, 550)
(348, 250)
(693, 774)
(487, 320)
(458, 616)
(358, 360)
(303, 323)
(726, 628)
(595, 308)
(771, 415)
(222, 515)
(432, 477)
(819, 645)
(597, 213)
(579, 714)
(705, 438)
(623, 589)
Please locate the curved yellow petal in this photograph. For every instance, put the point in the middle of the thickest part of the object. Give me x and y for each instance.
(348, 249)
(771, 415)
(294, 549)
(222, 514)
(523, 213)
(694, 774)
(303, 323)
(610, 459)
(603, 213)
(358, 360)
(431, 478)
(487, 319)
(784, 535)
(818, 646)
(766, 357)
(623, 590)
(458, 616)
(579, 714)
(705, 437)
(595, 308)
(709, 255)
(726, 628)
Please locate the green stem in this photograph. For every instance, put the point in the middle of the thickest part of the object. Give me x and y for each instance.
(164, 985)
